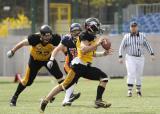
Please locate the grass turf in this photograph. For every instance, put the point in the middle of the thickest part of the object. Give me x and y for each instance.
(28, 102)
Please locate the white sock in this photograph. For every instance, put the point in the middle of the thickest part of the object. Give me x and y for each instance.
(130, 89)
(138, 89)
(69, 92)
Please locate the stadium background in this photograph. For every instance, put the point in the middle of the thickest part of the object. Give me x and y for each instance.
(18, 19)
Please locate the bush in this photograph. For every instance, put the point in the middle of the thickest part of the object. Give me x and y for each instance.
(21, 22)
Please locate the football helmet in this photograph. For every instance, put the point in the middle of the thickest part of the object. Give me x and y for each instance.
(92, 25)
(45, 29)
(75, 29)
(46, 33)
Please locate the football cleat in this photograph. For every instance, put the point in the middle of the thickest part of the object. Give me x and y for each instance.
(43, 105)
(102, 104)
(66, 103)
(139, 94)
(74, 97)
(13, 101)
(129, 94)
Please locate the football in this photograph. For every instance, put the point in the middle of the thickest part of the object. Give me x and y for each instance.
(106, 44)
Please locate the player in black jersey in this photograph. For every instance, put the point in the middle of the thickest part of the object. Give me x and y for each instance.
(86, 45)
(42, 45)
(68, 46)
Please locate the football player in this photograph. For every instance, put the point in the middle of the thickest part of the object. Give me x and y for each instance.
(86, 44)
(68, 46)
(42, 45)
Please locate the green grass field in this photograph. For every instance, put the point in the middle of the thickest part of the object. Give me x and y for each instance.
(28, 102)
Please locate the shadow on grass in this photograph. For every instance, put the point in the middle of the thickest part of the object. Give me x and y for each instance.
(6, 82)
(75, 106)
(11, 82)
(151, 96)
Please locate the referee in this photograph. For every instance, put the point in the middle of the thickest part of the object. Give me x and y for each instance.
(133, 44)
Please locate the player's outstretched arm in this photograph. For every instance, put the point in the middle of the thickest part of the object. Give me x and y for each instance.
(103, 53)
(22, 43)
(60, 47)
(86, 47)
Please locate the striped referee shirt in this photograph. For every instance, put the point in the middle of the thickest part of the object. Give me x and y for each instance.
(133, 45)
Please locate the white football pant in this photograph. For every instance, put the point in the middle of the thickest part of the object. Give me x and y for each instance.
(134, 67)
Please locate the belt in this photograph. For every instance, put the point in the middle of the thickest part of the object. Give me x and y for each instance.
(88, 64)
(76, 60)
(136, 55)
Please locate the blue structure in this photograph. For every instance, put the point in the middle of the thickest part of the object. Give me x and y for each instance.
(149, 23)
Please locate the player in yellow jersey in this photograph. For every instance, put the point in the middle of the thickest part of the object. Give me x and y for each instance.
(81, 65)
(42, 45)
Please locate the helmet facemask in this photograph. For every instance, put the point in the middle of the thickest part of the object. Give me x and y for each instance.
(75, 30)
(92, 25)
(75, 33)
(93, 29)
(46, 37)
(46, 33)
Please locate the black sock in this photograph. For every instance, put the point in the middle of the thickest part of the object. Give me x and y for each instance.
(100, 91)
(130, 87)
(60, 81)
(20, 88)
(138, 88)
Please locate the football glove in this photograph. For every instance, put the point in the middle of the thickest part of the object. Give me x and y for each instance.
(50, 64)
(10, 54)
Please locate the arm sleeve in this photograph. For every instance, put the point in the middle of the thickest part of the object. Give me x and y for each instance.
(84, 36)
(33, 39)
(148, 46)
(122, 46)
(64, 40)
(56, 39)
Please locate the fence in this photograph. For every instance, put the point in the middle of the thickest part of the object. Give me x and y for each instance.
(109, 64)
(139, 10)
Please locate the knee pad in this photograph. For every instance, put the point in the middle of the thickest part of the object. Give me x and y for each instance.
(104, 79)
(63, 88)
(29, 84)
(60, 81)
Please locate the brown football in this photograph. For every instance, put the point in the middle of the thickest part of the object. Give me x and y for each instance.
(106, 44)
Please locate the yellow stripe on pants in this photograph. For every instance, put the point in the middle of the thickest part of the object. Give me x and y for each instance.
(69, 78)
(26, 77)
(66, 67)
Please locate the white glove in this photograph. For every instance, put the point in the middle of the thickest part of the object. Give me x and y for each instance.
(10, 54)
(50, 64)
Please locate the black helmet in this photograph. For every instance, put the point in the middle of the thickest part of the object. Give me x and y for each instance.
(92, 25)
(45, 29)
